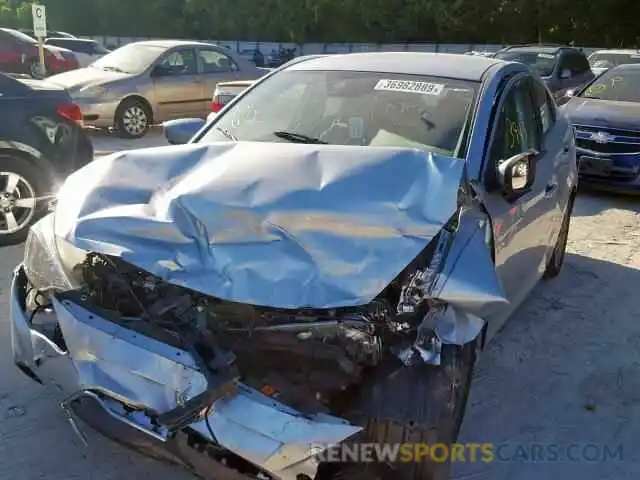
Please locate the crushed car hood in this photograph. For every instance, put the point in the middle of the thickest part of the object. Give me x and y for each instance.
(273, 224)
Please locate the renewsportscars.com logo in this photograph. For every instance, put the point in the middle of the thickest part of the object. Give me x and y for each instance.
(469, 452)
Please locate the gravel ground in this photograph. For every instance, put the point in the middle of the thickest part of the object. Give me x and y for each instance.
(563, 371)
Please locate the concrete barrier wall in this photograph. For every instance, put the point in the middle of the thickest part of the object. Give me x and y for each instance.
(311, 48)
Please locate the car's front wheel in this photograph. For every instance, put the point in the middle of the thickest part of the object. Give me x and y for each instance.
(418, 407)
(133, 118)
(20, 185)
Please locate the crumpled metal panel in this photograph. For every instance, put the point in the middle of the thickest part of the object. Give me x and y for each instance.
(469, 280)
(274, 224)
(140, 371)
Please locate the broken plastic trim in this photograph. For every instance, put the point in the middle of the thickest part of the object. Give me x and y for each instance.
(461, 286)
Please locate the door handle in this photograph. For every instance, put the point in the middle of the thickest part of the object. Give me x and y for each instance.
(550, 188)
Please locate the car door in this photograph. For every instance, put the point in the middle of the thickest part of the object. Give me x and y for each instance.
(177, 85)
(216, 66)
(9, 57)
(519, 219)
(554, 163)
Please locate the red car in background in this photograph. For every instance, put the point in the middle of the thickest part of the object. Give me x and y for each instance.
(19, 54)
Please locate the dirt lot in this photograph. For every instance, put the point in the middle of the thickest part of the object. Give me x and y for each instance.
(565, 371)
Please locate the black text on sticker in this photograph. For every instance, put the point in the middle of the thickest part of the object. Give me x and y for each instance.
(410, 86)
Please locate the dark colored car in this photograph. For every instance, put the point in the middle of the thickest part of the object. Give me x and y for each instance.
(41, 143)
(606, 116)
(19, 54)
(562, 68)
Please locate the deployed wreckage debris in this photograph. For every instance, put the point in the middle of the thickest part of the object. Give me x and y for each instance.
(309, 359)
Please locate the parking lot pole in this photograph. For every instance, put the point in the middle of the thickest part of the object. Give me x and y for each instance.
(41, 52)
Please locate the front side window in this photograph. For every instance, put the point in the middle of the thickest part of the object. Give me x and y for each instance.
(545, 106)
(179, 62)
(351, 108)
(516, 130)
(618, 84)
(577, 63)
(540, 62)
(216, 62)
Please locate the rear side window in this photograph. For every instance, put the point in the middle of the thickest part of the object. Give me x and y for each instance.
(577, 63)
(56, 42)
(544, 105)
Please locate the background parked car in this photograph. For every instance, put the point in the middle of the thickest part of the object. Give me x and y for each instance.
(19, 54)
(561, 67)
(41, 142)
(149, 82)
(50, 33)
(227, 91)
(603, 60)
(606, 116)
(86, 51)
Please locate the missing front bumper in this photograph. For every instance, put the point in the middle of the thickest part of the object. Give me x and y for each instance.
(126, 378)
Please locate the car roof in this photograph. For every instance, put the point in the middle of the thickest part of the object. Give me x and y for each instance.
(619, 51)
(174, 43)
(462, 67)
(536, 49)
(67, 39)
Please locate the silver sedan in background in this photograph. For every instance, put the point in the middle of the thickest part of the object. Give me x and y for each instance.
(149, 82)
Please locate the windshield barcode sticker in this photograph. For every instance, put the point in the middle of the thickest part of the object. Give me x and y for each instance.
(410, 86)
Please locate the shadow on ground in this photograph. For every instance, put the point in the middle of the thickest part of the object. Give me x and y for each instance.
(563, 374)
(592, 202)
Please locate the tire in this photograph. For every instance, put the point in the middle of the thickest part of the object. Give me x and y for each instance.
(554, 267)
(419, 405)
(14, 228)
(132, 119)
(34, 69)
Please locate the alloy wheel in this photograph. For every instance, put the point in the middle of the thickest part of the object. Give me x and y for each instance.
(17, 202)
(135, 120)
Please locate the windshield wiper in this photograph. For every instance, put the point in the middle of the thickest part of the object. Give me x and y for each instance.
(298, 138)
(227, 133)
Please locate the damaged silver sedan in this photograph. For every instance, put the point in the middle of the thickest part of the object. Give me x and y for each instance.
(320, 265)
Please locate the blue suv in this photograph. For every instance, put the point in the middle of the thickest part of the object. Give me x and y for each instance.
(562, 68)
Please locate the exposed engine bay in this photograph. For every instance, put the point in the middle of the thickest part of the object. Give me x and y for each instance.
(309, 359)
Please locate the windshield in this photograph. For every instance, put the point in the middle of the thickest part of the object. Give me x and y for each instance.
(543, 63)
(132, 58)
(608, 60)
(617, 85)
(351, 108)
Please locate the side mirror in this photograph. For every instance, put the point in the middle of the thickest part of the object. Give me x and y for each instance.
(565, 74)
(180, 131)
(516, 174)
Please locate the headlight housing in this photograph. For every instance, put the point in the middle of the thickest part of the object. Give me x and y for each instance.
(89, 92)
(43, 262)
